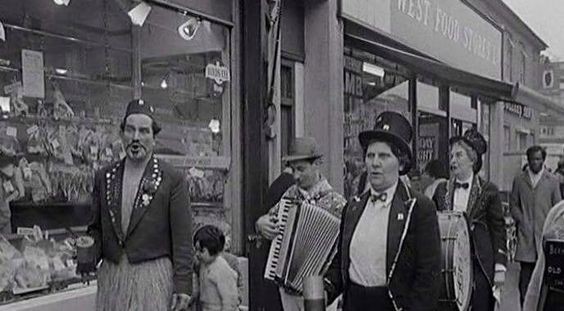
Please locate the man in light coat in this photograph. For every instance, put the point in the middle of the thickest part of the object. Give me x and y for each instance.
(534, 192)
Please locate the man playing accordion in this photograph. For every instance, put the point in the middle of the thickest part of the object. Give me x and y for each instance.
(311, 187)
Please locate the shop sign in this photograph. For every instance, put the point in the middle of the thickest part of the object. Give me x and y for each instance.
(447, 30)
(218, 72)
(519, 110)
(427, 143)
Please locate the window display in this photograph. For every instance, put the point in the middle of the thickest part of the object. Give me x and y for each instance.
(66, 75)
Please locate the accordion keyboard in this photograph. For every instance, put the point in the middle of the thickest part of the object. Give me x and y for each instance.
(276, 245)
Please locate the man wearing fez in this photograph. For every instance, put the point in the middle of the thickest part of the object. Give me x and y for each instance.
(141, 224)
(305, 158)
(388, 255)
(480, 200)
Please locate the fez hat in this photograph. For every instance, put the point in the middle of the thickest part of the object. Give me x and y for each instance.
(303, 148)
(139, 106)
(392, 128)
(476, 141)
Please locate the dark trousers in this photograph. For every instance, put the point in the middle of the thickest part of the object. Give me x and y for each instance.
(482, 296)
(361, 298)
(525, 278)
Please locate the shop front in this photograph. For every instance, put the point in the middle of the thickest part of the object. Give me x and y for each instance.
(67, 71)
(437, 62)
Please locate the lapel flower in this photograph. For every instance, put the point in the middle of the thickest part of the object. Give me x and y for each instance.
(150, 187)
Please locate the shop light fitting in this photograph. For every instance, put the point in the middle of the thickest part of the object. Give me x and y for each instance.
(373, 69)
(164, 84)
(372, 83)
(214, 126)
(62, 2)
(61, 71)
(139, 13)
(188, 29)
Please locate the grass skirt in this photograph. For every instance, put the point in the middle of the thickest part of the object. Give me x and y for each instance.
(144, 286)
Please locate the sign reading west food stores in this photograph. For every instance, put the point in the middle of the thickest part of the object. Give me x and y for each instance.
(448, 30)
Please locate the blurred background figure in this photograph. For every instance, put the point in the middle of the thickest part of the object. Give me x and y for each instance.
(433, 174)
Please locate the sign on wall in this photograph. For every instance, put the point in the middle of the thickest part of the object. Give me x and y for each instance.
(446, 29)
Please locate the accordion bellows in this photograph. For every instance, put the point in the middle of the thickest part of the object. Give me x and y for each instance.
(305, 247)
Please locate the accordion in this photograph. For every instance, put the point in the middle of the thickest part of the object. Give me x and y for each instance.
(305, 246)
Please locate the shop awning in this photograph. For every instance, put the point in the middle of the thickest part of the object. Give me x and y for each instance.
(535, 100)
(437, 70)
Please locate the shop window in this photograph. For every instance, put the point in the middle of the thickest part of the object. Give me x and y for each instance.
(523, 143)
(507, 138)
(287, 128)
(372, 85)
(66, 76)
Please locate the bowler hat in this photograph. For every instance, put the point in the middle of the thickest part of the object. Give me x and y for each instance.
(303, 148)
(393, 128)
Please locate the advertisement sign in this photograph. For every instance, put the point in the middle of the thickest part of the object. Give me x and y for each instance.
(427, 143)
(448, 30)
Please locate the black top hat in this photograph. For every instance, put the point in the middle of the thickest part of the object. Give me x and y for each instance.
(472, 138)
(393, 128)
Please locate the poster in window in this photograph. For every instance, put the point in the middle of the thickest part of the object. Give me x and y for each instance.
(33, 74)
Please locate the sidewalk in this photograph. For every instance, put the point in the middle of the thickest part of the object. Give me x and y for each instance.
(510, 295)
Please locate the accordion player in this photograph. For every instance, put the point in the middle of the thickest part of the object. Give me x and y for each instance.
(305, 246)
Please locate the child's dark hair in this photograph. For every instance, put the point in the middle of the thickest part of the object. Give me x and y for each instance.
(210, 238)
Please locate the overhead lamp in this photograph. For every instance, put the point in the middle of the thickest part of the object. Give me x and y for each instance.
(188, 29)
(61, 71)
(373, 69)
(139, 13)
(214, 126)
(62, 2)
(164, 84)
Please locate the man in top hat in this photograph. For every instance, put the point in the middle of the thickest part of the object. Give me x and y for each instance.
(305, 158)
(480, 200)
(388, 255)
(141, 225)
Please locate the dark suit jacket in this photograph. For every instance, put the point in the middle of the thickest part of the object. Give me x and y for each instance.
(160, 224)
(485, 217)
(412, 254)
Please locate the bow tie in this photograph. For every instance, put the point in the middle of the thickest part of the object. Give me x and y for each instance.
(464, 185)
(379, 197)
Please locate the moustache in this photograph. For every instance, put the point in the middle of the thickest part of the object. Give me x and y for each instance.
(135, 142)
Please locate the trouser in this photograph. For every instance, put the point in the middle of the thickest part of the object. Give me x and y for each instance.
(524, 278)
(296, 303)
(362, 298)
(482, 296)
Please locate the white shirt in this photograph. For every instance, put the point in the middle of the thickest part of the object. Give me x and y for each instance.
(535, 178)
(461, 196)
(369, 242)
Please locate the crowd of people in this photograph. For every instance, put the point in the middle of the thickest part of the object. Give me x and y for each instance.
(388, 252)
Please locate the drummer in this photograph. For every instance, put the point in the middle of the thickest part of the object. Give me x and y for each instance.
(466, 192)
(389, 246)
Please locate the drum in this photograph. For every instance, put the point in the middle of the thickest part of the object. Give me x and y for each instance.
(456, 262)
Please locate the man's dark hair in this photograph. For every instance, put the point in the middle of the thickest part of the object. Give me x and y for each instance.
(534, 149)
(436, 169)
(210, 238)
(156, 128)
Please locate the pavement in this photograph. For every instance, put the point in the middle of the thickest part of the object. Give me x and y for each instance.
(510, 293)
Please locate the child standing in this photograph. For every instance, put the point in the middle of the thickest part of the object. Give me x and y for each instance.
(215, 286)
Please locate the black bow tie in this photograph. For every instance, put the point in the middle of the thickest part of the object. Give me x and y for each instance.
(463, 185)
(379, 197)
